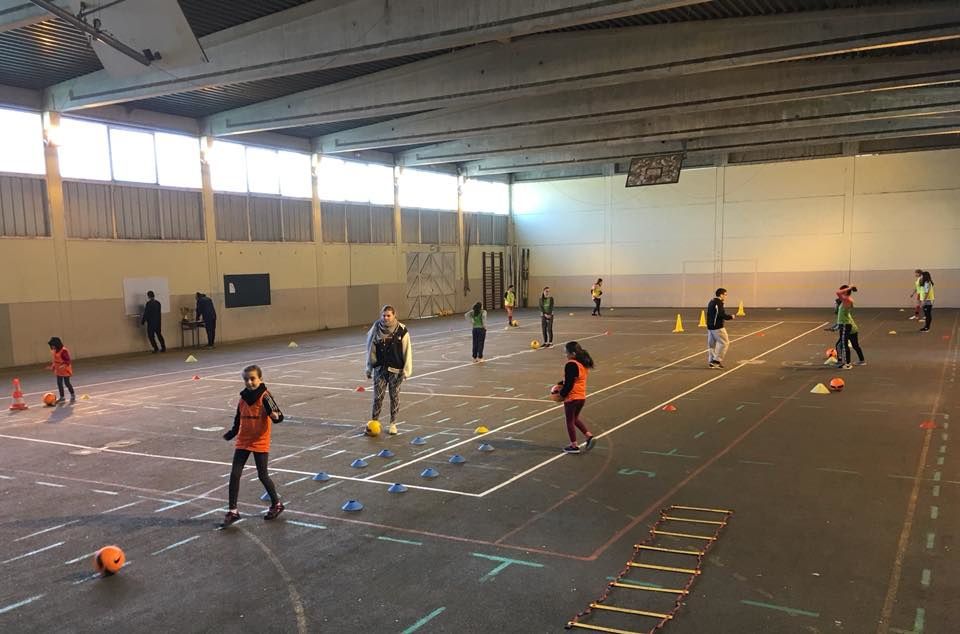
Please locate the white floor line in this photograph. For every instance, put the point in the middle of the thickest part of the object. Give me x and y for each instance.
(179, 543)
(33, 552)
(655, 408)
(46, 530)
(558, 407)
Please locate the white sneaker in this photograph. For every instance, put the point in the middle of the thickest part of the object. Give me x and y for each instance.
(913, 317)
(846, 366)
(392, 429)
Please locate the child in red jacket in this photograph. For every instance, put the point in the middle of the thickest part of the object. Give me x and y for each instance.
(62, 366)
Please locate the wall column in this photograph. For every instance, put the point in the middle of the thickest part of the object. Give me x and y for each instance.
(210, 229)
(58, 223)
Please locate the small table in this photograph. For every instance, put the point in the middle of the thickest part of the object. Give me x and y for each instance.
(193, 327)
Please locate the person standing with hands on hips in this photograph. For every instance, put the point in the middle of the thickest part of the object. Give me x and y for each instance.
(546, 316)
(151, 317)
(389, 362)
(717, 338)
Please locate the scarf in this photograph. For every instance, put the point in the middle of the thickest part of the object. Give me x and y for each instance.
(384, 330)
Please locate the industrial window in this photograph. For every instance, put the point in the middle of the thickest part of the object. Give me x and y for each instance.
(133, 156)
(486, 196)
(263, 171)
(353, 181)
(228, 167)
(22, 148)
(178, 160)
(84, 150)
(295, 174)
(428, 190)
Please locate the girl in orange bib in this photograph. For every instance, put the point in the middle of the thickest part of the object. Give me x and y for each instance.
(256, 414)
(573, 392)
(62, 366)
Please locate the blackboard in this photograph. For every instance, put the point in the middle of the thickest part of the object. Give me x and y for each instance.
(246, 290)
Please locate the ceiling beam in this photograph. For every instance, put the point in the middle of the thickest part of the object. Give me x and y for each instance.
(706, 92)
(761, 118)
(556, 62)
(330, 33)
(604, 153)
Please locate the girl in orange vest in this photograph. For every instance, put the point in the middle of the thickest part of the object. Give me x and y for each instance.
(573, 393)
(256, 414)
(62, 366)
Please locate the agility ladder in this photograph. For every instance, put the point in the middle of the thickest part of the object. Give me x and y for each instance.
(663, 528)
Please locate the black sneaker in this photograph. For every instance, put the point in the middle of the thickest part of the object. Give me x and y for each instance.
(232, 517)
(713, 365)
(924, 329)
(590, 442)
(718, 365)
(274, 511)
(571, 449)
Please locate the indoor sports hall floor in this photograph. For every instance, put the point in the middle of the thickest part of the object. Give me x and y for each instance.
(844, 516)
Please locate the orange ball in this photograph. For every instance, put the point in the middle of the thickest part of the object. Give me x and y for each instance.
(837, 384)
(831, 352)
(49, 399)
(109, 560)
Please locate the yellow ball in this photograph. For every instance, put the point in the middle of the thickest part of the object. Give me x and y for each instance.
(373, 428)
(534, 344)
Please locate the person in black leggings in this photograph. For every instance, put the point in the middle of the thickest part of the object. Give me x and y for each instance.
(546, 317)
(927, 296)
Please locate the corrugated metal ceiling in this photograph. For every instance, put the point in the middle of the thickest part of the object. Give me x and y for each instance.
(210, 16)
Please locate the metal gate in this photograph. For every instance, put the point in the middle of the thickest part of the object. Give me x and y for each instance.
(431, 280)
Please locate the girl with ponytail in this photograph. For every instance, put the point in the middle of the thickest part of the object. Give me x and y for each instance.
(573, 393)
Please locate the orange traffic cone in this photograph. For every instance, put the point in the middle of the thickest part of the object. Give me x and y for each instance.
(18, 402)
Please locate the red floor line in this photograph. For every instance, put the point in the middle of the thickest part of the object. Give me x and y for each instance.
(659, 503)
(894, 585)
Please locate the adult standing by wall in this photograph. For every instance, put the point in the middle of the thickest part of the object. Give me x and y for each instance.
(596, 291)
(927, 295)
(151, 317)
(207, 313)
(717, 338)
(546, 316)
(389, 362)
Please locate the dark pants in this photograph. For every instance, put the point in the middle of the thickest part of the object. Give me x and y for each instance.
(385, 381)
(843, 351)
(546, 325)
(927, 315)
(210, 325)
(64, 380)
(153, 334)
(479, 337)
(571, 410)
(239, 460)
(596, 306)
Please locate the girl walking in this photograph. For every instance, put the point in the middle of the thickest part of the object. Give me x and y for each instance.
(573, 393)
(546, 316)
(596, 291)
(848, 329)
(927, 296)
(257, 412)
(478, 317)
(62, 366)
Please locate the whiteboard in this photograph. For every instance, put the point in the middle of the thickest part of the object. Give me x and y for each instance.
(135, 293)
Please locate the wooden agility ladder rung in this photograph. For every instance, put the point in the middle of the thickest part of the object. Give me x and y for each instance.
(698, 508)
(692, 520)
(613, 608)
(617, 584)
(708, 538)
(599, 628)
(675, 551)
(687, 571)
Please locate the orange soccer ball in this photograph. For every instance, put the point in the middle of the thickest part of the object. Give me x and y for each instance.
(836, 384)
(109, 560)
(831, 352)
(49, 399)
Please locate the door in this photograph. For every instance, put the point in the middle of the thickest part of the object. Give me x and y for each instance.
(431, 280)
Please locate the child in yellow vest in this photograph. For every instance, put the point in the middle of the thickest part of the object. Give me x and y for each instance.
(257, 412)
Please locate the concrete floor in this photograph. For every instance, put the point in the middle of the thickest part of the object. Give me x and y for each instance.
(843, 518)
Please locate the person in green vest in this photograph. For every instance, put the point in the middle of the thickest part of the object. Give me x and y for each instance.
(917, 292)
(546, 316)
(509, 301)
(478, 317)
(596, 291)
(927, 295)
(849, 333)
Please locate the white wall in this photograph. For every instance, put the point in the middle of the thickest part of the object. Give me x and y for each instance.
(782, 234)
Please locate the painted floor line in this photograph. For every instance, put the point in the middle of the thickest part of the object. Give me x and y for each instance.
(33, 552)
(780, 608)
(306, 524)
(20, 604)
(176, 545)
(416, 626)
(46, 530)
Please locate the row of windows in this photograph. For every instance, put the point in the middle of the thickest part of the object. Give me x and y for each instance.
(99, 152)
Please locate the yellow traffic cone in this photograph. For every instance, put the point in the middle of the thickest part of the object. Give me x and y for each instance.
(740, 312)
(190, 359)
(703, 320)
(679, 326)
(292, 344)
(820, 388)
